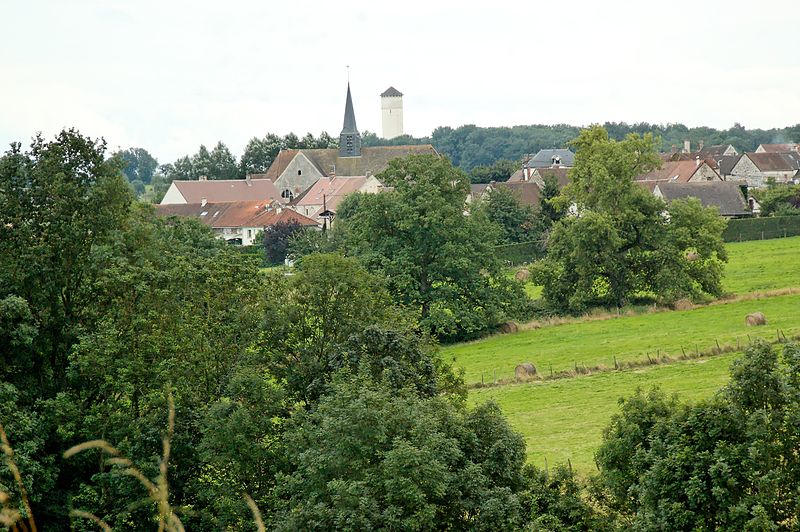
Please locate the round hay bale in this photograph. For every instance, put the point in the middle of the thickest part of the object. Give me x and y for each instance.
(509, 327)
(525, 371)
(682, 304)
(754, 319)
(692, 256)
(522, 275)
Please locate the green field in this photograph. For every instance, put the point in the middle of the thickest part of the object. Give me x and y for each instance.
(753, 266)
(761, 265)
(564, 419)
(630, 338)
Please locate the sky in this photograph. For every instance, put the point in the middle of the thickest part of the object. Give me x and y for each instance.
(169, 75)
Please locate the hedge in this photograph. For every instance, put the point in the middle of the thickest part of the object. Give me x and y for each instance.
(761, 228)
(515, 254)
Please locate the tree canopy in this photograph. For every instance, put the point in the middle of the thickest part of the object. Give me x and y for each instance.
(622, 241)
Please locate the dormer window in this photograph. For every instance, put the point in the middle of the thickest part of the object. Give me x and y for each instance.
(299, 172)
(556, 159)
(287, 194)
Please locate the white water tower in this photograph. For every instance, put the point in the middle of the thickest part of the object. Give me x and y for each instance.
(392, 112)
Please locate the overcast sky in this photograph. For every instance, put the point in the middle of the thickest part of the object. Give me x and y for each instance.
(169, 76)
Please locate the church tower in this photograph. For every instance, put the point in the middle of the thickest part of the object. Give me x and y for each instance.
(349, 138)
(392, 111)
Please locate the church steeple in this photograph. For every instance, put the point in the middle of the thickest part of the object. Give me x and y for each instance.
(349, 138)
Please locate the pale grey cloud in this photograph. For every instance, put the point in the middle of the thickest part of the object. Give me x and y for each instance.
(170, 75)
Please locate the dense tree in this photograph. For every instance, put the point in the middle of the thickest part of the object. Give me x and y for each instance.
(517, 222)
(436, 260)
(729, 462)
(276, 240)
(371, 458)
(779, 200)
(138, 164)
(623, 240)
(499, 171)
(329, 298)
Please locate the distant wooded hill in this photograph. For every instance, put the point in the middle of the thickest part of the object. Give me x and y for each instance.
(470, 146)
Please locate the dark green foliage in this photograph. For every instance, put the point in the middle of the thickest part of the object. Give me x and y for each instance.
(730, 462)
(556, 501)
(370, 458)
(314, 313)
(276, 240)
(517, 222)
(779, 200)
(137, 164)
(621, 242)
(760, 228)
(437, 261)
(499, 171)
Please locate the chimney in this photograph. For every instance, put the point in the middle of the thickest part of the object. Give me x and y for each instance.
(700, 145)
(697, 161)
(687, 146)
(203, 178)
(203, 202)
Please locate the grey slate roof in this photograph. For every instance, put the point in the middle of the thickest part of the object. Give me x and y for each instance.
(544, 158)
(727, 162)
(391, 91)
(349, 125)
(725, 195)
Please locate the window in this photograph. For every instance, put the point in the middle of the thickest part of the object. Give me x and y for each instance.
(299, 172)
(287, 194)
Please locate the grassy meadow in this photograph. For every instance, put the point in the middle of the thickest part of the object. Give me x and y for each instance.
(564, 418)
(628, 338)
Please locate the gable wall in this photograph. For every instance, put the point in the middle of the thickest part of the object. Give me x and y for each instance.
(294, 182)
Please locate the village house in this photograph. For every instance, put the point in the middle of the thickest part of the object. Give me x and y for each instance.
(295, 171)
(757, 169)
(236, 222)
(327, 193)
(725, 196)
(682, 172)
(777, 148)
(220, 191)
(552, 160)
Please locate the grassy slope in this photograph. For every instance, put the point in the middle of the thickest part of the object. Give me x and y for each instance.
(762, 265)
(628, 338)
(753, 266)
(564, 419)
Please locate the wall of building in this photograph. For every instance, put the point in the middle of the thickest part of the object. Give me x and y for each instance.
(705, 173)
(173, 196)
(299, 175)
(392, 116)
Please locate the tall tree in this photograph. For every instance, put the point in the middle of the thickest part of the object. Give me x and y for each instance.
(138, 164)
(620, 242)
(437, 260)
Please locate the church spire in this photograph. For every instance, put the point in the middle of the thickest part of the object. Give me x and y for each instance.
(349, 138)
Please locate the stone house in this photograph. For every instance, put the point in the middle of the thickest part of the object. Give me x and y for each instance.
(327, 193)
(777, 148)
(756, 169)
(682, 172)
(726, 196)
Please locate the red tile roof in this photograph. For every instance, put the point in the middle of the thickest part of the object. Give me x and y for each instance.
(221, 191)
(779, 148)
(235, 214)
(675, 171)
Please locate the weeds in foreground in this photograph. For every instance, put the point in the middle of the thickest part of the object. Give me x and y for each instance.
(157, 489)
